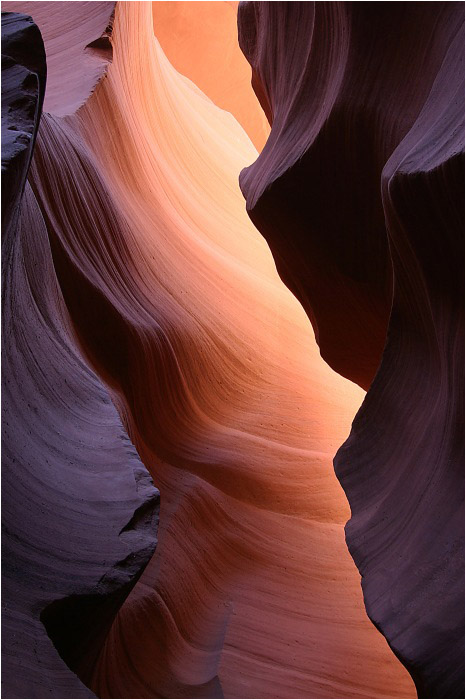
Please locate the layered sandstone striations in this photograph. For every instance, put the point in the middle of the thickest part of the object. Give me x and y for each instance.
(359, 192)
(79, 511)
(137, 292)
(175, 301)
(77, 44)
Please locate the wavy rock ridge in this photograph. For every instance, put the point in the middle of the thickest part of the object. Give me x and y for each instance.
(359, 192)
(162, 311)
(71, 480)
(233, 455)
(175, 301)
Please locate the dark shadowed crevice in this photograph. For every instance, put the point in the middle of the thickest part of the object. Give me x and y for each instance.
(78, 624)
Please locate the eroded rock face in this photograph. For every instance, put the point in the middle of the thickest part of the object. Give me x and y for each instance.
(139, 297)
(77, 45)
(23, 88)
(177, 305)
(72, 484)
(359, 192)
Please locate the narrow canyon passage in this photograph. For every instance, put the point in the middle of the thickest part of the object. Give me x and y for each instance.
(173, 303)
(223, 392)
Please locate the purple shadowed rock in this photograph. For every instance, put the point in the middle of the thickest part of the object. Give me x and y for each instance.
(359, 192)
(79, 510)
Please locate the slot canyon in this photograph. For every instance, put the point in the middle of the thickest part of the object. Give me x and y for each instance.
(233, 349)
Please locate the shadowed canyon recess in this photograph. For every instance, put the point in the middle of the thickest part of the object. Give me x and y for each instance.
(233, 349)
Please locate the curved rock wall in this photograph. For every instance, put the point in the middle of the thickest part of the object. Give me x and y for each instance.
(76, 38)
(178, 304)
(71, 480)
(361, 185)
(140, 301)
(200, 40)
(175, 301)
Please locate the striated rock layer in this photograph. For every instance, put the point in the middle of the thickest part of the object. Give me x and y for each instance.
(175, 301)
(23, 88)
(76, 38)
(79, 511)
(359, 192)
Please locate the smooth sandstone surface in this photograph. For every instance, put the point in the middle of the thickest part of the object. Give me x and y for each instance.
(162, 311)
(73, 487)
(360, 193)
(176, 302)
(75, 36)
(200, 40)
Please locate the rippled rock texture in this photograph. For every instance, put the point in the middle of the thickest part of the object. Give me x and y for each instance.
(148, 329)
(360, 193)
(79, 510)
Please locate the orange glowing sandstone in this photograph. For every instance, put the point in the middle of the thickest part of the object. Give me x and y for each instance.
(200, 41)
(216, 373)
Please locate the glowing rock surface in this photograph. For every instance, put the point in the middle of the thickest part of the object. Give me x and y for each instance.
(169, 303)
